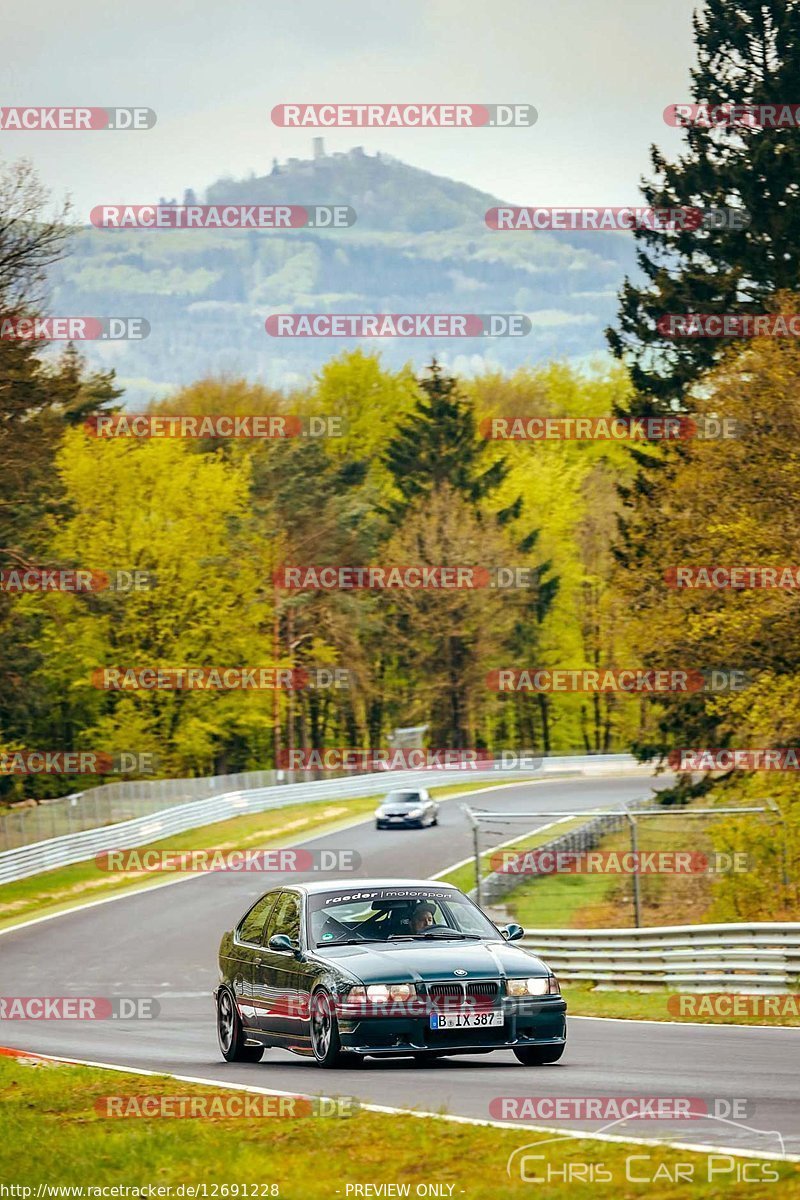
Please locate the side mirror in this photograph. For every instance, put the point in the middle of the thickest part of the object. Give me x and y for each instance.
(280, 941)
(512, 932)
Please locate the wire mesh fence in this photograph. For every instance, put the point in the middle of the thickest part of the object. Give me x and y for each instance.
(121, 800)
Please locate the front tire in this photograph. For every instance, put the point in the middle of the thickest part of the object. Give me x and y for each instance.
(539, 1056)
(230, 1033)
(324, 1029)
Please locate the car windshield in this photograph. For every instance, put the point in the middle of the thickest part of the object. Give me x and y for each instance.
(404, 799)
(389, 915)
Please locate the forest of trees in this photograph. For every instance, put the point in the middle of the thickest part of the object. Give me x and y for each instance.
(411, 481)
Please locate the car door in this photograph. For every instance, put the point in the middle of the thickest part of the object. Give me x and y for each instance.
(276, 997)
(247, 943)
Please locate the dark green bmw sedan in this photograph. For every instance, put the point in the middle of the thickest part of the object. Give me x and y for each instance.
(384, 968)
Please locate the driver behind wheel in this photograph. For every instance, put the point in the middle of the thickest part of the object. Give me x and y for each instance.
(422, 917)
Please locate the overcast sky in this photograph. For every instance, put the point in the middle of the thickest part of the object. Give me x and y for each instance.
(600, 73)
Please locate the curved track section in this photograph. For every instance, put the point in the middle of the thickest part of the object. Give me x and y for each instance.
(163, 942)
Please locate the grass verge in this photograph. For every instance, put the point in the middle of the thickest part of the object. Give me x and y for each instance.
(605, 900)
(585, 1001)
(55, 1135)
(464, 876)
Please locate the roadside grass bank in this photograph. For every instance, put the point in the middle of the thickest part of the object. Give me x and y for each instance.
(55, 1105)
(53, 891)
(596, 901)
(463, 876)
(604, 900)
(585, 1001)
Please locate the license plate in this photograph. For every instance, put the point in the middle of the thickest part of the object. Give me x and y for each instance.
(466, 1020)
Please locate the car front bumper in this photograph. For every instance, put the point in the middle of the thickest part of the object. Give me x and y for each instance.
(540, 1023)
(400, 822)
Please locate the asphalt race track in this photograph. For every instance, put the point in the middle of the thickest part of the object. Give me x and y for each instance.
(163, 944)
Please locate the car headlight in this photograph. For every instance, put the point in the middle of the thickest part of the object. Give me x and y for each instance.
(416, 812)
(533, 985)
(381, 992)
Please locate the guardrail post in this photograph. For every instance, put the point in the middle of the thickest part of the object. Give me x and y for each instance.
(637, 899)
(476, 848)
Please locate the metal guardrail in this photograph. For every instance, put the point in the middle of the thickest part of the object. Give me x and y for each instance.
(124, 835)
(122, 799)
(45, 855)
(757, 957)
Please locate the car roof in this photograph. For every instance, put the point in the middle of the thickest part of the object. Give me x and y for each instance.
(338, 885)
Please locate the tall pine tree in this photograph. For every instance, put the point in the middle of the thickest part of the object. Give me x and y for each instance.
(748, 54)
(438, 444)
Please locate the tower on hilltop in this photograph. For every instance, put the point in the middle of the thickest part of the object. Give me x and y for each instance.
(318, 144)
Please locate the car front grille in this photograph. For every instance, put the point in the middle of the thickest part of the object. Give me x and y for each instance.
(456, 995)
(440, 991)
(483, 987)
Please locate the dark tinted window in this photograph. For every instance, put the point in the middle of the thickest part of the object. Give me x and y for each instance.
(286, 917)
(403, 798)
(251, 928)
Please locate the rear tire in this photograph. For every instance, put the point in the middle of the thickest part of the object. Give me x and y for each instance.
(324, 1031)
(539, 1056)
(230, 1033)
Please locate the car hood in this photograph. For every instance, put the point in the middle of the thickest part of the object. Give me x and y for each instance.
(420, 962)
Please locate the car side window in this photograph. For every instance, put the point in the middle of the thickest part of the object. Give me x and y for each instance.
(285, 917)
(251, 928)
